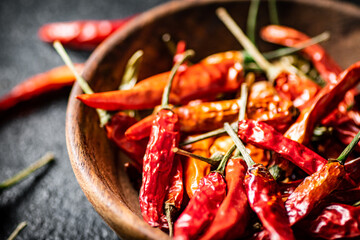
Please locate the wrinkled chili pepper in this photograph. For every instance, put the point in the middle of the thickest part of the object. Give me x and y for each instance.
(264, 136)
(327, 99)
(231, 219)
(263, 194)
(325, 65)
(194, 169)
(115, 130)
(34, 86)
(336, 221)
(203, 206)
(317, 186)
(159, 157)
(211, 76)
(86, 34)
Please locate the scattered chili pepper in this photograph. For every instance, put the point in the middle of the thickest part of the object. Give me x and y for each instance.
(159, 157)
(287, 188)
(233, 215)
(264, 136)
(203, 206)
(263, 194)
(34, 86)
(207, 78)
(194, 169)
(317, 186)
(327, 99)
(336, 221)
(86, 34)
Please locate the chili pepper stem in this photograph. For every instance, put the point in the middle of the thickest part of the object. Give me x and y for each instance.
(343, 156)
(103, 115)
(131, 71)
(239, 145)
(243, 100)
(169, 210)
(17, 230)
(274, 17)
(166, 94)
(221, 168)
(271, 70)
(251, 20)
(48, 157)
(211, 161)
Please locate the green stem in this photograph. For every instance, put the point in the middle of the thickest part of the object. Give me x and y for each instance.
(274, 17)
(17, 230)
(131, 73)
(239, 145)
(103, 115)
(343, 156)
(221, 168)
(166, 94)
(251, 20)
(169, 43)
(48, 157)
(212, 161)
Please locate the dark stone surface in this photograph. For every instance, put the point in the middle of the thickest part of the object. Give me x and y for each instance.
(51, 200)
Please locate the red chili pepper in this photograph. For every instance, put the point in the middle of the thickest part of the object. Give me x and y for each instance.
(34, 86)
(198, 81)
(288, 188)
(326, 66)
(336, 221)
(86, 34)
(327, 99)
(115, 129)
(231, 219)
(203, 206)
(264, 136)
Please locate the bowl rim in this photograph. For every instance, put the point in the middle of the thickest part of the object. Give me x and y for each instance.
(127, 224)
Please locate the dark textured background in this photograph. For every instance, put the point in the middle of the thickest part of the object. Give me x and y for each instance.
(51, 200)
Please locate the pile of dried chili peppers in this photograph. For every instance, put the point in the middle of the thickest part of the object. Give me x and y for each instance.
(236, 147)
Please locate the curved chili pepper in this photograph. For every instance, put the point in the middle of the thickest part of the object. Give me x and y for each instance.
(264, 136)
(86, 34)
(194, 169)
(234, 212)
(200, 80)
(287, 188)
(115, 130)
(51, 80)
(313, 189)
(336, 221)
(327, 99)
(325, 65)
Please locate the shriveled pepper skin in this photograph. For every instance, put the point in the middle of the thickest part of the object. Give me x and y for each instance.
(115, 130)
(158, 162)
(327, 99)
(194, 169)
(290, 37)
(38, 84)
(197, 81)
(202, 207)
(231, 219)
(336, 221)
(175, 193)
(264, 136)
(312, 190)
(265, 200)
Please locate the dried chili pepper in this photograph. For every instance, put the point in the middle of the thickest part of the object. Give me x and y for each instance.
(263, 194)
(264, 136)
(231, 219)
(327, 99)
(159, 157)
(325, 65)
(317, 186)
(336, 221)
(34, 86)
(194, 169)
(86, 34)
(211, 76)
(203, 206)
(289, 85)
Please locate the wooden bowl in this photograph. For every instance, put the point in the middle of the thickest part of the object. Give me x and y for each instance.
(95, 159)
